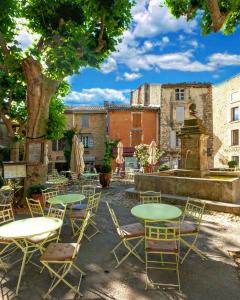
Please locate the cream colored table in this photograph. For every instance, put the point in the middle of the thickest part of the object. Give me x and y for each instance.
(20, 231)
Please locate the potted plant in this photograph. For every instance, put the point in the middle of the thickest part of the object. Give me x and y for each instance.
(35, 192)
(232, 164)
(105, 175)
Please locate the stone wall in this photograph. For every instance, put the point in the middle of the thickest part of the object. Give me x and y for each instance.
(147, 95)
(201, 95)
(222, 124)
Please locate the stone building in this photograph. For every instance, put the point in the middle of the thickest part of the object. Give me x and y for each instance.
(226, 121)
(133, 125)
(174, 101)
(90, 123)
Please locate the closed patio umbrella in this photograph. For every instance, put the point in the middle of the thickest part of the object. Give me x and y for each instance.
(152, 151)
(75, 163)
(81, 152)
(120, 159)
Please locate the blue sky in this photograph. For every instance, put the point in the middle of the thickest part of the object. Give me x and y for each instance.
(157, 49)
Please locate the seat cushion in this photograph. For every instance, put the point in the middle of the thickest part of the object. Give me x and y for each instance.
(5, 240)
(59, 252)
(185, 227)
(41, 237)
(78, 214)
(131, 230)
(79, 206)
(161, 246)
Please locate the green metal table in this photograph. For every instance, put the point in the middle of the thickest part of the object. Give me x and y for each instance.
(20, 231)
(66, 199)
(156, 212)
(90, 175)
(57, 181)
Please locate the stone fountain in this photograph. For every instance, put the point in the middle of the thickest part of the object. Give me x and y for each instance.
(194, 179)
(193, 147)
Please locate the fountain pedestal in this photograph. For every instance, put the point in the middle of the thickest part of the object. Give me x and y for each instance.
(193, 149)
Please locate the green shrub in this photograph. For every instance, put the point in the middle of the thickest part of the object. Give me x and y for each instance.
(232, 164)
(36, 189)
(1, 181)
(106, 168)
(163, 167)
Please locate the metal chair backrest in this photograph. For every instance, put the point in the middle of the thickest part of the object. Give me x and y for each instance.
(156, 232)
(97, 198)
(49, 193)
(150, 197)
(55, 212)
(88, 190)
(6, 213)
(93, 202)
(55, 173)
(7, 196)
(194, 211)
(61, 188)
(83, 227)
(113, 216)
(35, 207)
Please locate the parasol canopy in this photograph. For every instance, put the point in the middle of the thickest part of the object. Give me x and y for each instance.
(152, 151)
(120, 159)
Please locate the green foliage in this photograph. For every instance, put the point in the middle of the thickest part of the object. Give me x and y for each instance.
(108, 155)
(1, 181)
(192, 8)
(142, 154)
(35, 189)
(106, 168)
(68, 134)
(75, 33)
(163, 167)
(232, 163)
(57, 121)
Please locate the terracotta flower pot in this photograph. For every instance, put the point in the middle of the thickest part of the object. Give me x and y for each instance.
(105, 179)
(147, 169)
(38, 197)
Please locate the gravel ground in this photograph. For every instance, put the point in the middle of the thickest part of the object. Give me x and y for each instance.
(214, 278)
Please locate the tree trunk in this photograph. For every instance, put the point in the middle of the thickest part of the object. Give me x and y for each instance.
(14, 151)
(218, 18)
(40, 89)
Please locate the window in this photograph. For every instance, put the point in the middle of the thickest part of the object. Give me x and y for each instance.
(87, 141)
(59, 145)
(236, 158)
(179, 94)
(234, 114)
(136, 138)
(136, 120)
(178, 141)
(85, 121)
(235, 137)
(173, 139)
(235, 97)
(180, 113)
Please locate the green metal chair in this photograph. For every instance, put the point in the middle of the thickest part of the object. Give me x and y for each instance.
(150, 197)
(64, 256)
(162, 246)
(127, 234)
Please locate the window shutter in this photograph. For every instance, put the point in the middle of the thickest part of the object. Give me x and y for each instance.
(136, 120)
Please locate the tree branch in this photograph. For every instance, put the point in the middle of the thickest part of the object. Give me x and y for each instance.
(101, 41)
(218, 17)
(3, 45)
(7, 123)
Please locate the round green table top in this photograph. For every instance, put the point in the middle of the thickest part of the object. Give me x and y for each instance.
(6, 188)
(57, 181)
(89, 174)
(29, 227)
(66, 199)
(155, 211)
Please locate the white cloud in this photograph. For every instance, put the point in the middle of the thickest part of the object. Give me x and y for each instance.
(151, 20)
(109, 66)
(96, 96)
(23, 36)
(224, 59)
(130, 76)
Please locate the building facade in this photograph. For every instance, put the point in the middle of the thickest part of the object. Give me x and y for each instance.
(173, 101)
(133, 125)
(226, 122)
(90, 125)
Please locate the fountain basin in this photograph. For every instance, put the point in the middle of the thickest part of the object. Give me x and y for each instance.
(215, 189)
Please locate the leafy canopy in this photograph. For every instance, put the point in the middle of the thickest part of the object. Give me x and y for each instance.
(215, 15)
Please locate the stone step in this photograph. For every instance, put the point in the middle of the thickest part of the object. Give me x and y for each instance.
(232, 208)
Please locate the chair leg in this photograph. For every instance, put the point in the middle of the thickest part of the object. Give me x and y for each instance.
(193, 248)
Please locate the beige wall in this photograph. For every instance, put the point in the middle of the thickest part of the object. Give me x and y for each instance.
(200, 95)
(222, 125)
(147, 94)
(97, 130)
